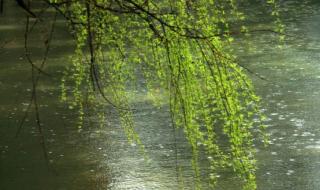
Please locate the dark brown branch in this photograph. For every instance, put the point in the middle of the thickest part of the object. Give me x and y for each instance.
(93, 71)
(35, 78)
(48, 42)
(25, 7)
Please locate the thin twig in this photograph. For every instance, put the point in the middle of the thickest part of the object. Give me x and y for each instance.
(48, 42)
(93, 71)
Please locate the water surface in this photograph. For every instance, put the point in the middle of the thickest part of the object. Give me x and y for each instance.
(102, 158)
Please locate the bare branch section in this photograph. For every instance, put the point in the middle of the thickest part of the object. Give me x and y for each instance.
(36, 72)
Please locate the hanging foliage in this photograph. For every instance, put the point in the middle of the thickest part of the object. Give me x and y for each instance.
(180, 47)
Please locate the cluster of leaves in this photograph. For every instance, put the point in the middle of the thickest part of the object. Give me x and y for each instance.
(178, 46)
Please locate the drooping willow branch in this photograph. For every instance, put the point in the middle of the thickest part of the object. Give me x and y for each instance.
(180, 49)
(35, 76)
(93, 71)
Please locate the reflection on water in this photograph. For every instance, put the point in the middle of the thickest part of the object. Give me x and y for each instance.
(101, 158)
(290, 95)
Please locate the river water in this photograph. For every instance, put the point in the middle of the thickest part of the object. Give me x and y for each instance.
(101, 158)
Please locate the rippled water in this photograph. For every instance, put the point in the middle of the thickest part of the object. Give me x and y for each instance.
(290, 97)
(101, 158)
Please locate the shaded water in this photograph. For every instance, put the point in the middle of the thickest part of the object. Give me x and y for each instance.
(101, 158)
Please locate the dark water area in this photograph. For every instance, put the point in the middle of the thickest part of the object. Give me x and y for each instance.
(96, 157)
